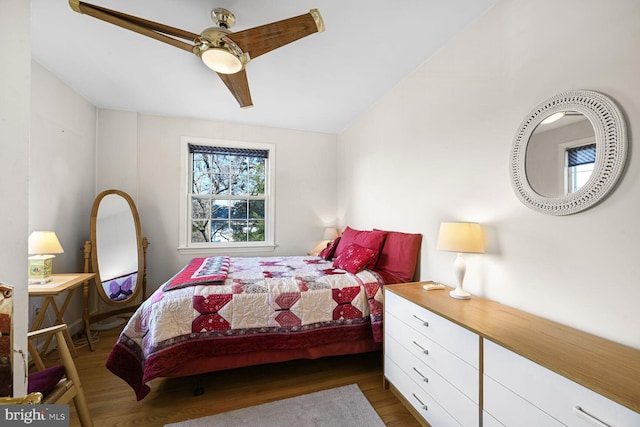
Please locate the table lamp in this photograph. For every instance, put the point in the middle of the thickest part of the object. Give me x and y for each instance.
(329, 234)
(42, 245)
(460, 237)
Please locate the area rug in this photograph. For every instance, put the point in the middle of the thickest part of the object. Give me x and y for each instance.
(337, 407)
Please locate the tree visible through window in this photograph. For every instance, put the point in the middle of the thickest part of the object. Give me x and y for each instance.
(228, 200)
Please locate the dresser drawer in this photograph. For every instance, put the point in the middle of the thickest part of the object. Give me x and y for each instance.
(489, 421)
(459, 406)
(459, 341)
(423, 403)
(512, 410)
(458, 372)
(561, 398)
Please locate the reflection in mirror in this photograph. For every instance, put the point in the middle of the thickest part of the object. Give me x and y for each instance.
(6, 342)
(117, 248)
(560, 154)
(117, 253)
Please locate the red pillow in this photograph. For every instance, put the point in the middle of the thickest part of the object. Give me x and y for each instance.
(327, 253)
(399, 255)
(368, 239)
(354, 258)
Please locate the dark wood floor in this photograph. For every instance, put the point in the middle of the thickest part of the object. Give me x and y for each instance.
(112, 402)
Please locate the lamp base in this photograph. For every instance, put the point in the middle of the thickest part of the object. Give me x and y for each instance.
(40, 269)
(459, 293)
(459, 268)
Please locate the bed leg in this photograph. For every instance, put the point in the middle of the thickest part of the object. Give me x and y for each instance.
(199, 387)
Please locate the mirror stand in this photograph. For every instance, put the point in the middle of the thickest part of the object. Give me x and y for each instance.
(89, 318)
(117, 251)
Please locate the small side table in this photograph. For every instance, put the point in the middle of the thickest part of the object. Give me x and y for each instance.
(59, 284)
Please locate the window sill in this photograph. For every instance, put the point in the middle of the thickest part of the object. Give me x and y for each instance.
(185, 250)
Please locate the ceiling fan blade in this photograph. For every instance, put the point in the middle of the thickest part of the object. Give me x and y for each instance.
(265, 38)
(145, 27)
(238, 85)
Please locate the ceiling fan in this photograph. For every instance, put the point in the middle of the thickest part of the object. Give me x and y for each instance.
(225, 52)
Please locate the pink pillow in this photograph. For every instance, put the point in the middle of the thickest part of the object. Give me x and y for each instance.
(368, 239)
(399, 255)
(327, 253)
(354, 258)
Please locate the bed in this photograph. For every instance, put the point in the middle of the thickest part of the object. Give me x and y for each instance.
(224, 312)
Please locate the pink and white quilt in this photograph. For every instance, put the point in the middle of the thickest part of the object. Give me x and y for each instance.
(249, 305)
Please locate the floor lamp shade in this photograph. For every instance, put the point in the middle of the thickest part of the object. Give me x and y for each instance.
(460, 237)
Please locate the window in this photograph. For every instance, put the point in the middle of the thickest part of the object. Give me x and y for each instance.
(228, 197)
(580, 163)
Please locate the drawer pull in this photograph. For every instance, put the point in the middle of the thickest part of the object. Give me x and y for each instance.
(425, 379)
(580, 413)
(424, 322)
(424, 350)
(420, 402)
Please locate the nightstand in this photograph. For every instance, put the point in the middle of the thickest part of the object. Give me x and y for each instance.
(59, 284)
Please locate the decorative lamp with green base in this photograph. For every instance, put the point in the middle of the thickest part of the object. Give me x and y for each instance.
(42, 246)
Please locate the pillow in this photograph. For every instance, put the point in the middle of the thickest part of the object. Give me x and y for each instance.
(368, 239)
(354, 258)
(327, 253)
(44, 381)
(399, 255)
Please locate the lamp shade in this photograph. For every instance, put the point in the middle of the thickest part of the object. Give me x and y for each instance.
(464, 237)
(330, 233)
(44, 242)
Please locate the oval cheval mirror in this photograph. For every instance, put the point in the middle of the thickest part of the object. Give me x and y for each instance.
(117, 252)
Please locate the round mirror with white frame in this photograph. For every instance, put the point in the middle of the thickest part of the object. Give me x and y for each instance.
(568, 153)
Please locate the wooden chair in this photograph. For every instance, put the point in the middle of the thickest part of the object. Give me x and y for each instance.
(29, 399)
(63, 389)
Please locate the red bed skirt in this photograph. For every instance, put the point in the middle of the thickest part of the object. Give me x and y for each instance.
(200, 356)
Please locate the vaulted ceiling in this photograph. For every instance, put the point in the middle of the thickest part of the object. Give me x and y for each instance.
(319, 83)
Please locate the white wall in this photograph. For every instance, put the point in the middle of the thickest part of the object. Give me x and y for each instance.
(436, 148)
(305, 179)
(62, 161)
(118, 154)
(15, 44)
(63, 165)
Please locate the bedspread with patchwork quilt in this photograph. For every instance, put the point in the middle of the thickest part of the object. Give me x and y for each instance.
(248, 305)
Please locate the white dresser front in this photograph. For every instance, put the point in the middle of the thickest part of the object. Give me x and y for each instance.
(433, 362)
(519, 392)
(478, 362)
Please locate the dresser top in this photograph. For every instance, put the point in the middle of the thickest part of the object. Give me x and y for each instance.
(606, 367)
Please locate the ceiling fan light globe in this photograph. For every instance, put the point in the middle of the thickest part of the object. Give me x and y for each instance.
(221, 61)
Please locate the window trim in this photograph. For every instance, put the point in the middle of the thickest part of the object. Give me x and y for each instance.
(184, 245)
(562, 157)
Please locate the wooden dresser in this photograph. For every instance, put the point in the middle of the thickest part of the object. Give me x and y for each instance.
(480, 363)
